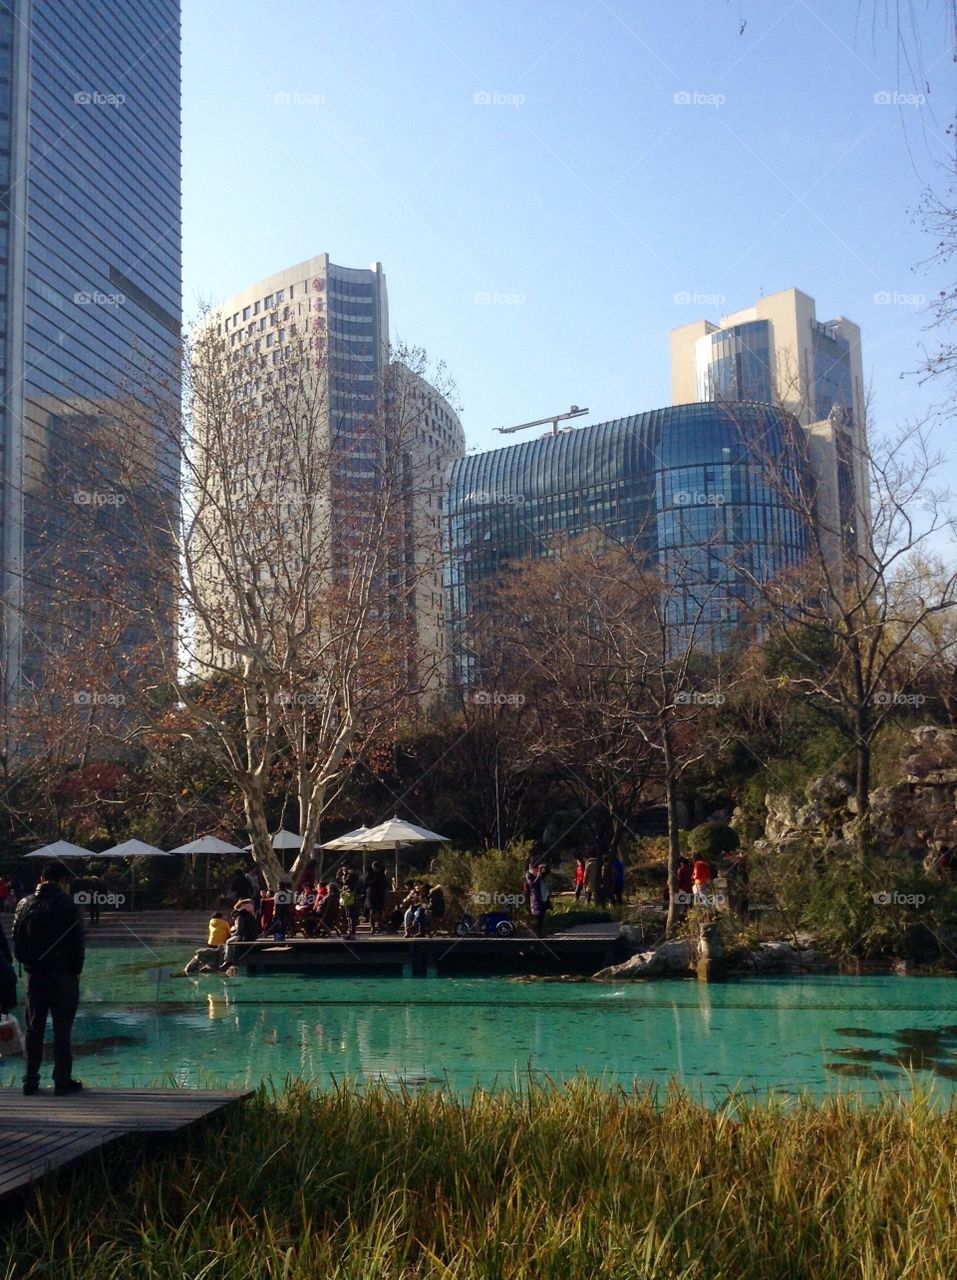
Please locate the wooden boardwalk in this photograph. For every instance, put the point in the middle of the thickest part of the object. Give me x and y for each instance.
(45, 1133)
(581, 951)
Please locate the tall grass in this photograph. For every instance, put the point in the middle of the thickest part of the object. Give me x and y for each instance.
(376, 1184)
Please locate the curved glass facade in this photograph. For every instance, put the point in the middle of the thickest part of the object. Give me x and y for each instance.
(684, 480)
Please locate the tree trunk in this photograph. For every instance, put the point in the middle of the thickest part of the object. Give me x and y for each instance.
(264, 855)
(863, 780)
(674, 843)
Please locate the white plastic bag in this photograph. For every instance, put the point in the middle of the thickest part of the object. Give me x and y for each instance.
(11, 1037)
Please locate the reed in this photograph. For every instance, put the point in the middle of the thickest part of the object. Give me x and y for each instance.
(376, 1183)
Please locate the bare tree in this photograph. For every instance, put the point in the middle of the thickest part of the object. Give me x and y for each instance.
(300, 552)
(855, 622)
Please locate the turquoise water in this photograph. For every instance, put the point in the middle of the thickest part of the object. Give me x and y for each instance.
(814, 1034)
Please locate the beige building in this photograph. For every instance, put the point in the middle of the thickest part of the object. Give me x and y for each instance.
(317, 405)
(778, 352)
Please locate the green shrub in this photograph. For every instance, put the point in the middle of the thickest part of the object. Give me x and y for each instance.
(711, 839)
(501, 871)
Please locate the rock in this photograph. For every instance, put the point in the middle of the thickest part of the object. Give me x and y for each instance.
(671, 957)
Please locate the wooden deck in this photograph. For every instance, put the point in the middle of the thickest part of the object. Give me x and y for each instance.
(45, 1133)
(575, 951)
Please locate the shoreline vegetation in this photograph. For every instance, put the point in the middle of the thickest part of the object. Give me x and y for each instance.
(389, 1183)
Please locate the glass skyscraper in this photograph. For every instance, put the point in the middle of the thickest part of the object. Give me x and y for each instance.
(686, 482)
(90, 293)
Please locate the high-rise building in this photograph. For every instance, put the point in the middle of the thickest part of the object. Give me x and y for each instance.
(778, 352)
(90, 300)
(681, 481)
(320, 333)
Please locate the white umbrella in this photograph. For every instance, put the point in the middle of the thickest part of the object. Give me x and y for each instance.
(398, 831)
(283, 839)
(208, 844)
(60, 849)
(393, 833)
(132, 849)
(351, 840)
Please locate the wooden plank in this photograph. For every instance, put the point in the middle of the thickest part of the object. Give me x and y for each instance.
(48, 1133)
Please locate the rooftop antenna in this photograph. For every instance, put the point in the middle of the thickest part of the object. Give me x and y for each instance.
(555, 419)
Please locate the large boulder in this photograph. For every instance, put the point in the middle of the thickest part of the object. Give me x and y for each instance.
(670, 958)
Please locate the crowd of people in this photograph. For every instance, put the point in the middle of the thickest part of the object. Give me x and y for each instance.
(599, 880)
(315, 908)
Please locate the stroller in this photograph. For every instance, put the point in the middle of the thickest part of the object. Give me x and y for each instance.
(491, 924)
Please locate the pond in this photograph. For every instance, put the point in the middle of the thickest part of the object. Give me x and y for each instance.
(141, 1024)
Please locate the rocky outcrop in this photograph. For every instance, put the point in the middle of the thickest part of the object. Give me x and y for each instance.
(916, 815)
(669, 959)
(676, 959)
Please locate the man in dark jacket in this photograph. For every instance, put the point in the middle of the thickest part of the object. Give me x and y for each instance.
(8, 977)
(48, 942)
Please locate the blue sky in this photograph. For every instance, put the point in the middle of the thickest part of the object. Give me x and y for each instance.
(546, 184)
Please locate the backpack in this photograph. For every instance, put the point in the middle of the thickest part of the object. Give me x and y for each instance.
(34, 931)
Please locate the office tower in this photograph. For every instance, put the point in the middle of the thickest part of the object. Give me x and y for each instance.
(778, 352)
(90, 309)
(682, 481)
(316, 335)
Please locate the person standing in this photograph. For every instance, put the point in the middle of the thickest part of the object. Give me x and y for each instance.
(8, 976)
(539, 896)
(701, 877)
(350, 900)
(48, 941)
(618, 890)
(377, 892)
(579, 876)
(592, 872)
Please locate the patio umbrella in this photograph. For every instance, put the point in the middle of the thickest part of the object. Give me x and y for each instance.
(132, 849)
(393, 833)
(281, 840)
(351, 840)
(208, 844)
(211, 845)
(61, 849)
